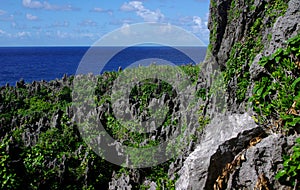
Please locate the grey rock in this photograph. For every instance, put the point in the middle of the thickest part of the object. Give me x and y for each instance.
(153, 186)
(223, 139)
(150, 184)
(56, 119)
(232, 29)
(20, 84)
(122, 183)
(255, 69)
(263, 159)
(285, 27)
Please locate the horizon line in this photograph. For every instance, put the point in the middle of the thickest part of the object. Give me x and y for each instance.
(1, 46)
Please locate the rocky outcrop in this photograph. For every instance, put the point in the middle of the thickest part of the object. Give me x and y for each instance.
(121, 183)
(260, 26)
(203, 166)
(243, 156)
(229, 159)
(230, 26)
(262, 161)
(285, 27)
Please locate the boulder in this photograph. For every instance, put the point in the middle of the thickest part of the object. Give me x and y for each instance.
(224, 138)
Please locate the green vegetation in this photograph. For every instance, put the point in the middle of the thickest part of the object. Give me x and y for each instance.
(213, 30)
(41, 146)
(276, 96)
(241, 53)
(192, 71)
(36, 156)
(276, 100)
(291, 172)
(234, 12)
(244, 51)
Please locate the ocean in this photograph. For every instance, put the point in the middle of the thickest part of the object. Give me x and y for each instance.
(49, 63)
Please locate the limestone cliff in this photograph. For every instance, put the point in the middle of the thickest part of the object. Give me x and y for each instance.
(241, 33)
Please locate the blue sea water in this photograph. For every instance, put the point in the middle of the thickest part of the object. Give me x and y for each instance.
(49, 63)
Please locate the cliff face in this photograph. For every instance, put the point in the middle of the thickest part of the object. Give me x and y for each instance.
(244, 31)
(245, 155)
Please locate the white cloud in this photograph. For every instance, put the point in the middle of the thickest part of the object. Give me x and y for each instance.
(88, 35)
(146, 14)
(119, 22)
(100, 10)
(61, 34)
(2, 12)
(125, 29)
(184, 20)
(32, 4)
(58, 34)
(150, 16)
(19, 26)
(195, 24)
(88, 23)
(45, 5)
(31, 17)
(132, 6)
(97, 9)
(2, 32)
(166, 28)
(198, 24)
(23, 34)
(198, 21)
(199, 27)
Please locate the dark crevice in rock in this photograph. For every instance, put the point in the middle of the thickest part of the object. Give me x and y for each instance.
(227, 152)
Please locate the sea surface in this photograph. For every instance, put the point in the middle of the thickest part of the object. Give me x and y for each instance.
(49, 63)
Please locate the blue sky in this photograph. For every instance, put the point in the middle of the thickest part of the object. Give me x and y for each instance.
(81, 23)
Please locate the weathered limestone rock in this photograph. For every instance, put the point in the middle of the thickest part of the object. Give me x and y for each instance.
(122, 183)
(284, 28)
(223, 139)
(263, 159)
